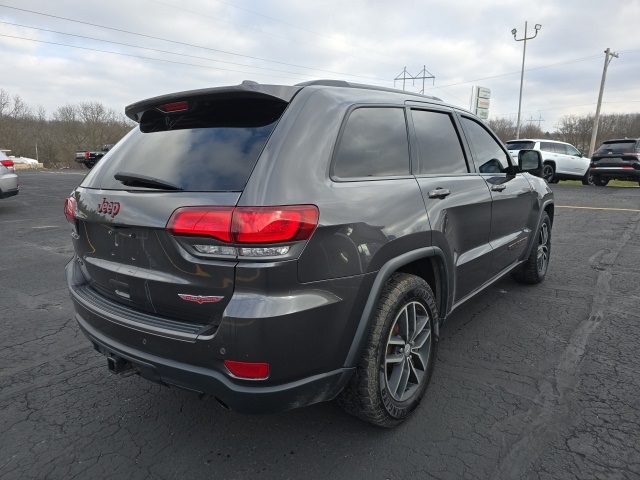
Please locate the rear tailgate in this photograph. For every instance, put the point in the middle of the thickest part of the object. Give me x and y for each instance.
(129, 257)
(198, 149)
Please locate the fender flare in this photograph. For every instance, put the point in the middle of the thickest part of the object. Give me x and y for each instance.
(379, 283)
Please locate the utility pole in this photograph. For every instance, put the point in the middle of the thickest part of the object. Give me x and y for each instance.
(404, 75)
(608, 56)
(534, 120)
(524, 52)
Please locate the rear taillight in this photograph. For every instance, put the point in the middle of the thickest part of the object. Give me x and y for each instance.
(261, 227)
(248, 370)
(87, 154)
(70, 208)
(212, 222)
(7, 163)
(274, 224)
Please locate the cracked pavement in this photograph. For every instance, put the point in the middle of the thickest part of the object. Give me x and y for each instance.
(532, 382)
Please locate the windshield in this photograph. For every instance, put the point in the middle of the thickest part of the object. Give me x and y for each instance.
(213, 149)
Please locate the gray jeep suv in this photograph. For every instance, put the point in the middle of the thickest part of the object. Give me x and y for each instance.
(278, 246)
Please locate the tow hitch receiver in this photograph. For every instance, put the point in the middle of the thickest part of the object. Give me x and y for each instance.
(118, 365)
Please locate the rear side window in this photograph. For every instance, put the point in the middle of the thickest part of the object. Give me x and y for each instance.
(213, 148)
(373, 144)
(439, 149)
(520, 145)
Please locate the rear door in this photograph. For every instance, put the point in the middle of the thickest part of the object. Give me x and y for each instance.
(512, 196)
(457, 199)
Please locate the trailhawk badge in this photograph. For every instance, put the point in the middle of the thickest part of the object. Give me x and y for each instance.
(200, 299)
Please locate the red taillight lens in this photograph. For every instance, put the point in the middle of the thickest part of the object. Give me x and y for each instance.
(274, 224)
(7, 163)
(174, 107)
(257, 225)
(253, 371)
(70, 206)
(202, 221)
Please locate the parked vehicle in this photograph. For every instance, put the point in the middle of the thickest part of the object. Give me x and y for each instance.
(562, 161)
(616, 159)
(89, 159)
(277, 246)
(9, 185)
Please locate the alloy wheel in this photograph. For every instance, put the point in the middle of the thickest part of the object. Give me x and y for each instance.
(408, 349)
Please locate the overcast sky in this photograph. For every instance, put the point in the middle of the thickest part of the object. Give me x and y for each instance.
(116, 52)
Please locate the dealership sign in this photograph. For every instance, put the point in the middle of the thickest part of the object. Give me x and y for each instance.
(480, 101)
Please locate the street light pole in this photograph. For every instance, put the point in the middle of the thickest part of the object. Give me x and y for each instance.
(524, 52)
(608, 56)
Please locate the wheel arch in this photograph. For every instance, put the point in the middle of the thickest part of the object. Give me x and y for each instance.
(427, 263)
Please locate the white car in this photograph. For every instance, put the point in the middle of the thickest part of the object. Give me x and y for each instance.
(561, 161)
(28, 161)
(8, 179)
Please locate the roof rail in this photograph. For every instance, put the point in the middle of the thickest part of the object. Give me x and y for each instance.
(342, 83)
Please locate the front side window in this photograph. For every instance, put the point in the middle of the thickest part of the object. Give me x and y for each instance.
(374, 143)
(439, 149)
(488, 152)
(573, 151)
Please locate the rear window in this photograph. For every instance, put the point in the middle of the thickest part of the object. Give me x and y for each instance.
(618, 147)
(213, 148)
(520, 145)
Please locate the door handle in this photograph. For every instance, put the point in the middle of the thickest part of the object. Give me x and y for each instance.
(439, 193)
(498, 188)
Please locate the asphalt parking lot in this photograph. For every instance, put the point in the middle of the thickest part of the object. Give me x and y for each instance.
(539, 382)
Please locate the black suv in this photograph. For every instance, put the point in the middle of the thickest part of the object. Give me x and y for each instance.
(278, 246)
(616, 159)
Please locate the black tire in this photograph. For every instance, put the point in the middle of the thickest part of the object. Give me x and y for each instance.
(399, 354)
(588, 178)
(599, 181)
(548, 172)
(89, 165)
(534, 269)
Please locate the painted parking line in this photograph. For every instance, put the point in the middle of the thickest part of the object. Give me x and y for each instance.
(601, 208)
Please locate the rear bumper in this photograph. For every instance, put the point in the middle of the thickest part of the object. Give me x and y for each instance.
(9, 193)
(247, 398)
(306, 346)
(617, 173)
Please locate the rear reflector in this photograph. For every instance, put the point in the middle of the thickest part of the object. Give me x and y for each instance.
(246, 225)
(174, 107)
(7, 163)
(70, 207)
(253, 371)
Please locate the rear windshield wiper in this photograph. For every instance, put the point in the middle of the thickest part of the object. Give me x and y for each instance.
(137, 180)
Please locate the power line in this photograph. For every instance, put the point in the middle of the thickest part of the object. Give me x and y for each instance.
(284, 37)
(140, 56)
(184, 43)
(154, 49)
(304, 29)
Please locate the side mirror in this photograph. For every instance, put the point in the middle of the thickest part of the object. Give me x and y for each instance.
(530, 161)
